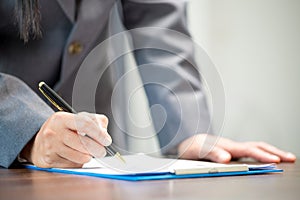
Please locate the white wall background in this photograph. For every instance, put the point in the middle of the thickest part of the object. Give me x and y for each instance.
(255, 45)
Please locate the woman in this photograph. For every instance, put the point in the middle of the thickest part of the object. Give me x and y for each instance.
(48, 40)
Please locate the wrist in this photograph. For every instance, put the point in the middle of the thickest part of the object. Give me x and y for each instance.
(25, 154)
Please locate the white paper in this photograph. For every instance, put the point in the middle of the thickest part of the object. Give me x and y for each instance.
(140, 163)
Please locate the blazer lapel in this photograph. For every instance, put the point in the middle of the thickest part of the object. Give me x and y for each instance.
(68, 7)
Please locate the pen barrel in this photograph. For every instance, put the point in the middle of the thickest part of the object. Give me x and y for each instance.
(55, 99)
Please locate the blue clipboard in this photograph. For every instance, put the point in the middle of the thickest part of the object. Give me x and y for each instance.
(156, 175)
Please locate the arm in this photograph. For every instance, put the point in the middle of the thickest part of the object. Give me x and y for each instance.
(22, 114)
(29, 127)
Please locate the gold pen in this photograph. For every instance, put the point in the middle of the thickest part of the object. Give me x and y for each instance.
(62, 105)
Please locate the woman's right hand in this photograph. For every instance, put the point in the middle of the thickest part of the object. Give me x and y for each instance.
(61, 141)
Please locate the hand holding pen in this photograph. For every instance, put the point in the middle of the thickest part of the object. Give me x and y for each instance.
(62, 105)
(60, 141)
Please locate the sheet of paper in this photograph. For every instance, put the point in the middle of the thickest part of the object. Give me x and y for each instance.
(263, 166)
(141, 164)
(135, 164)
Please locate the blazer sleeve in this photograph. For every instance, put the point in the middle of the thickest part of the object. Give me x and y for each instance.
(22, 113)
(164, 53)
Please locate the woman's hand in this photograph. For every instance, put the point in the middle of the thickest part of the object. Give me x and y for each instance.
(222, 150)
(61, 142)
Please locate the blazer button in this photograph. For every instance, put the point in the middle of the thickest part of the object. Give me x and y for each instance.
(75, 48)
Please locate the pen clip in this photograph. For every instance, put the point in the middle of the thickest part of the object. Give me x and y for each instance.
(51, 100)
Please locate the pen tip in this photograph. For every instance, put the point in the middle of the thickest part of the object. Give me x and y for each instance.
(120, 157)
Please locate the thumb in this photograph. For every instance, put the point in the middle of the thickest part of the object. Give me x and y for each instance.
(219, 155)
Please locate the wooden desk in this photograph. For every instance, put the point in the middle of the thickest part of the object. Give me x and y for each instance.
(23, 184)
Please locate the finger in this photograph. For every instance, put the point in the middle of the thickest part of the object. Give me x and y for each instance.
(86, 125)
(82, 124)
(73, 140)
(54, 160)
(289, 157)
(284, 156)
(73, 155)
(191, 148)
(103, 120)
(235, 149)
(68, 164)
(62, 120)
(261, 155)
(95, 149)
(99, 119)
(61, 162)
(218, 154)
(246, 149)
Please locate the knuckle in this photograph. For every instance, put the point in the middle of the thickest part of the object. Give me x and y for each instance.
(48, 148)
(244, 146)
(57, 117)
(48, 161)
(48, 133)
(82, 125)
(104, 119)
(248, 145)
(261, 143)
(83, 114)
(249, 152)
(85, 121)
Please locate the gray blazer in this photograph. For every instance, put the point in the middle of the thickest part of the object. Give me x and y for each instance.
(169, 80)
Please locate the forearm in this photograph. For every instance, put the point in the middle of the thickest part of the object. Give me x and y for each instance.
(22, 114)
